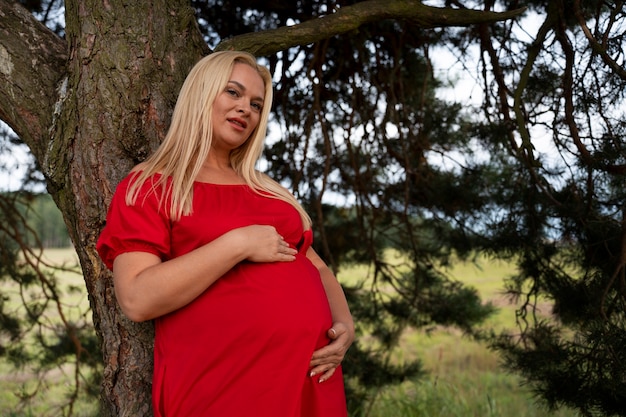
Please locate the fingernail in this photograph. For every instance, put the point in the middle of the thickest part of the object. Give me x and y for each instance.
(312, 374)
(321, 380)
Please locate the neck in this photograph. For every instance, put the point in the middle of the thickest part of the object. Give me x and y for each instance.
(218, 171)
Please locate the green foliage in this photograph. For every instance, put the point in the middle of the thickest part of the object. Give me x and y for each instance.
(44, 218)
(562, 214)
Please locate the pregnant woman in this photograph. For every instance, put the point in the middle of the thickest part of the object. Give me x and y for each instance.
(249, 320)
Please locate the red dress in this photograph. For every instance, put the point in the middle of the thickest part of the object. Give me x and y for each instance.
(242, 348)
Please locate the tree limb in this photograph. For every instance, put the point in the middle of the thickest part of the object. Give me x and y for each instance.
(350, 18)
(32, 62)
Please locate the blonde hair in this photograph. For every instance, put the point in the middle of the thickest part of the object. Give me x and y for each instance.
(188, 141)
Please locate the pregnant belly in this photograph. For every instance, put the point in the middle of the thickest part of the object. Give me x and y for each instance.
(256, 303)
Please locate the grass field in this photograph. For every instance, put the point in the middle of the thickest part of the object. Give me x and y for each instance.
(465, 378)
(46, 399)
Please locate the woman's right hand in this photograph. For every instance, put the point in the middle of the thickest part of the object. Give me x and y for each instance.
(264, 244)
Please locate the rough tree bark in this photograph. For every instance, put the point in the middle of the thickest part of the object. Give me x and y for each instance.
(92, 105)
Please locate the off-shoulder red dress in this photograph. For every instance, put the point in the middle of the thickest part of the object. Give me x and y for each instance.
(242, 348)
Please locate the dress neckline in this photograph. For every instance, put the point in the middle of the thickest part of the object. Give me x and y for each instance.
(243, 184)
(220, 184)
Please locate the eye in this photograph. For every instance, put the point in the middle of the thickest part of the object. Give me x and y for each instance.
(232, 92)
(256, 106)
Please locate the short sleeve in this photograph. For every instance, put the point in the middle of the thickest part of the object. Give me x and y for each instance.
(142, 227)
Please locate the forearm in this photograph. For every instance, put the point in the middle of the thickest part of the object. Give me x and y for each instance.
(325, 360)
(147, 288)
(334, 292)
(337, 300)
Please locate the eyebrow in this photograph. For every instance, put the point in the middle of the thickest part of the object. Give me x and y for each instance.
(243, 88)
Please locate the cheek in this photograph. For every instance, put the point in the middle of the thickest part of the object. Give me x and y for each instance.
(254, 121)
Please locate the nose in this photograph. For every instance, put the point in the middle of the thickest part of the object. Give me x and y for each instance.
(244, 108)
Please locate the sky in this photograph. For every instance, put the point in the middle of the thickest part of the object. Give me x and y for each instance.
(13, 164)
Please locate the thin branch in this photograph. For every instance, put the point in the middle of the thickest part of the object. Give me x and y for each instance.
(599, 48)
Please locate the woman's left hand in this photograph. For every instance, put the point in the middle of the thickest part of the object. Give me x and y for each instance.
(325, 361)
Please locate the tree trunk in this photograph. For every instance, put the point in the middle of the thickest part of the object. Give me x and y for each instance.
(124, 73)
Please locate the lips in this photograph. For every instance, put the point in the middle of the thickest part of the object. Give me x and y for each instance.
(238, 122)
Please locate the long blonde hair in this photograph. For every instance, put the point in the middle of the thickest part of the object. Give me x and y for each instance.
(188, 141)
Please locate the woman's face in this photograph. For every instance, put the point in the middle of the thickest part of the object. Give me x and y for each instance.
(237, 109)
